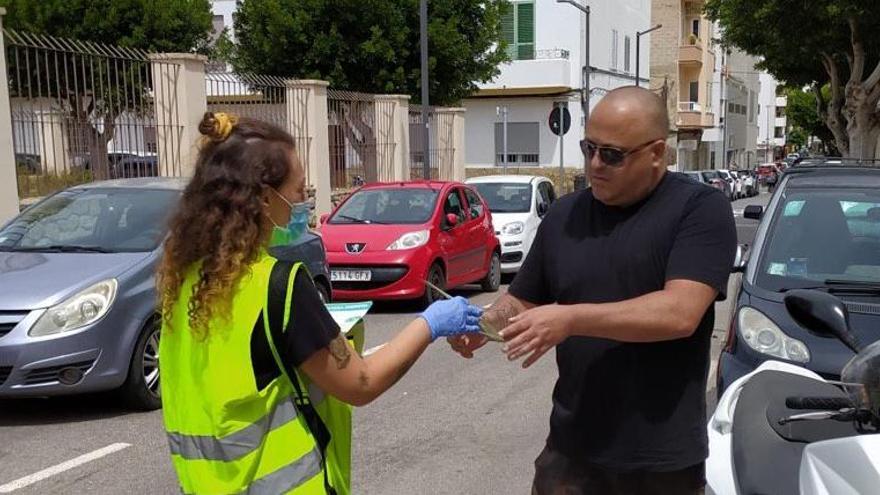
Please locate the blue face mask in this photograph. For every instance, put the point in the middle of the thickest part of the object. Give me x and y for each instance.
(296, 225)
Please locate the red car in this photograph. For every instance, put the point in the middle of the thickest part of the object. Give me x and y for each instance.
(386, 239)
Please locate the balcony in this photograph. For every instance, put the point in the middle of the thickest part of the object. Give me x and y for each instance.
(548, 73)
(692, 115)
(690, 55)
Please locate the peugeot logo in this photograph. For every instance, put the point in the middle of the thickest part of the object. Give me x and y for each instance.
(355, 247)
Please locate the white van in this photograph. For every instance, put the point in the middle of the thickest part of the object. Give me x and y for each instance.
(518, 203)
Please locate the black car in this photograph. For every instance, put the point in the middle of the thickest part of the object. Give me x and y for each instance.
(821, 230)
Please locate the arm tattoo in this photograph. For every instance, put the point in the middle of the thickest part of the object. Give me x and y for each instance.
(340, 351)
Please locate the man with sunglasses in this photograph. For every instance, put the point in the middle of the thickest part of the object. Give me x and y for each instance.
(621, 280)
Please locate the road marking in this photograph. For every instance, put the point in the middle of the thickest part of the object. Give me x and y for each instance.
(60, 468)
(373, 349)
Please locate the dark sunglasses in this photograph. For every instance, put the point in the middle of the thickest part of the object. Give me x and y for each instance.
(613, 157)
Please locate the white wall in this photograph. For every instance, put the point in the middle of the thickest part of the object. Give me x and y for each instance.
(225, 8)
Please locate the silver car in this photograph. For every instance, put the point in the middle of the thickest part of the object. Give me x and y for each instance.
(78, 305)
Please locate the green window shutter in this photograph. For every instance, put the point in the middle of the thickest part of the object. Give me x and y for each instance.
(525, 30)
(508, 31)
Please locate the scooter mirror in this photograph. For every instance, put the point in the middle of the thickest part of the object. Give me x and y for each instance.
(822, 314)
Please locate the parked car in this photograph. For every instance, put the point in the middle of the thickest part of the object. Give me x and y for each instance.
(518, 203)
(820, 230)
(714, 179)
(735, 183)
(78, 312)
(385, 239)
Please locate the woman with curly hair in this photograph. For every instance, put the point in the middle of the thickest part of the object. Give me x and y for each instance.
(256, 376)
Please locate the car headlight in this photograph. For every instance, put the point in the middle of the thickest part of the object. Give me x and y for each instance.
(513, 228)
(79, 310)
(410, 240)
(764, 336)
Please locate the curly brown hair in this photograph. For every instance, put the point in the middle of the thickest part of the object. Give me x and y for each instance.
(220, 223)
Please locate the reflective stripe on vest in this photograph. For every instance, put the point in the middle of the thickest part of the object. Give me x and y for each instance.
(288, 477)
(235, 445)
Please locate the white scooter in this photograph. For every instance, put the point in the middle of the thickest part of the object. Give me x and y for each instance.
(783, 429)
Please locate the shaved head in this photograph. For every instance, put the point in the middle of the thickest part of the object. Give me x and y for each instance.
(634, 122)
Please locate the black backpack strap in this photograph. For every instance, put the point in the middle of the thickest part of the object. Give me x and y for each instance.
(277, 316)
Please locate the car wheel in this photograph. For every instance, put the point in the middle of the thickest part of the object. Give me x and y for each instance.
(437, 278)
(141, 387)
(493, 279)
(323, 292)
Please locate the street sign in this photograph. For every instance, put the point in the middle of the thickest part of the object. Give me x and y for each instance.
(554, 121)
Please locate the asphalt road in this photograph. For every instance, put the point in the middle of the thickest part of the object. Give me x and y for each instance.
(450, 426)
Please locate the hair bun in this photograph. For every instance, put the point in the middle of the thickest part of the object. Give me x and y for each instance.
(217, 126)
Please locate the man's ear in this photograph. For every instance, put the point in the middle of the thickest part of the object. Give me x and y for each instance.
(658, 150)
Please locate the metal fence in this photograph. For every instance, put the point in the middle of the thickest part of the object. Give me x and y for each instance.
(440, 148)
(263, 97)
(84, 111)
(360, 134)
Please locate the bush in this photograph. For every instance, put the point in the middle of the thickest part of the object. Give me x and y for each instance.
(35, 185)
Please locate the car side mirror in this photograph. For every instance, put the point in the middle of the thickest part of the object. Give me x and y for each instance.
(451, 220)
(753, 212)
(822, 314)
(324, 218)
(741, 259)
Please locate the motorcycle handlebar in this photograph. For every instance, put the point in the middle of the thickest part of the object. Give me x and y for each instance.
(818, 403)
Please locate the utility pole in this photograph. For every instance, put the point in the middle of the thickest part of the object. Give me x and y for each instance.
(423, 29)
(724, 109)
(502, 111)
(585, 74)
(639, 51)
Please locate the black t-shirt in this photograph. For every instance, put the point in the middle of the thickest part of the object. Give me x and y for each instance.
(627, 406)
(312, 330)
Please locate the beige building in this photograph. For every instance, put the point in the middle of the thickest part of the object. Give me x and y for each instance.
(682, 67)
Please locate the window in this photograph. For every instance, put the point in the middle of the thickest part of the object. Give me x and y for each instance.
(522, 143)
(695, 27)
(518, 30)
(453, 205)
(712, 159)
(475, 205)
(506, 197)
(779, 132)
(395, 206)
(614, 49)
(626, 52)
(780, 112)
(694, 91)
(751, 109)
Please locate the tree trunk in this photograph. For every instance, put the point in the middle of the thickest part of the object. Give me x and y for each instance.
(99, 161)
(833, 116)
(365, 146)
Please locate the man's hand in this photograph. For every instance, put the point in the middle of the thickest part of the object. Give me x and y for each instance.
(536, 331)
(467, 344)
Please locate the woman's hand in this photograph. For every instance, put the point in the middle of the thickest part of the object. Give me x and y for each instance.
(452, 317)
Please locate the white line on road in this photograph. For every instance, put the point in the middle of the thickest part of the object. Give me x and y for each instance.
(60, 468)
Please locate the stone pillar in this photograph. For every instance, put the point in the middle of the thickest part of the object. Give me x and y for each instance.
(8, 179)
(180, 102)
(307, 122)
(451, 166)
(392, 121)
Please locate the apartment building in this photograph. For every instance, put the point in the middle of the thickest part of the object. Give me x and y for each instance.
(771, 120)
(546, 43)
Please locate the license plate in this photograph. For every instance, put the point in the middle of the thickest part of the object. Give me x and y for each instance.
(350, 275)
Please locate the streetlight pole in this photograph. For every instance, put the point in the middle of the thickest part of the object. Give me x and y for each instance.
(585, 74)
(639, 51)
(423, 30)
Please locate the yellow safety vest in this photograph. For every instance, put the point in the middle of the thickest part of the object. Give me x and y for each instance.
(226, 436)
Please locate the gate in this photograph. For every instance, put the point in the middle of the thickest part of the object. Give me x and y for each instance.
(439, 150)
(359, 129)
(84, 111)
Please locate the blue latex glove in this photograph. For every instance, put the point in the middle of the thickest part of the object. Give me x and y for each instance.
(452, 317)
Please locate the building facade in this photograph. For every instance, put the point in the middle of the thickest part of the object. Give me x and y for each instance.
(731, 143)
(773, 126)
(546, 44)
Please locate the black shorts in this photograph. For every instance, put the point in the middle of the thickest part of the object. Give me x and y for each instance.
(557, 474)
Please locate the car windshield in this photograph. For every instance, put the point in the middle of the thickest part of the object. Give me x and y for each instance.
(821, 235)
(92, 220)
(707, 176)
(399, 205)
(505, 197)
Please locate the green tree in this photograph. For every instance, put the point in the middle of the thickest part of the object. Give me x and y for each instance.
(372, 45)
(96, 89)
(833, 42)
(802, 114)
